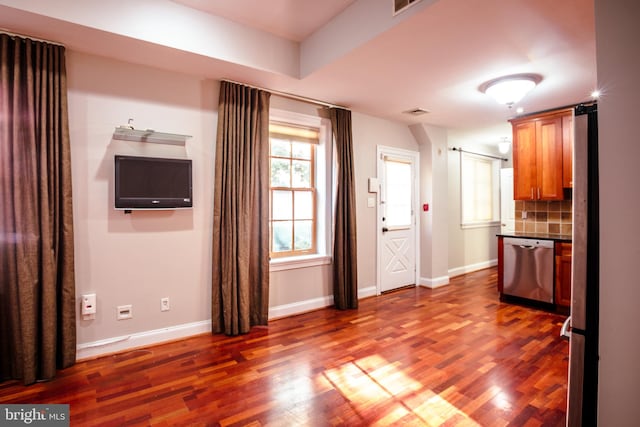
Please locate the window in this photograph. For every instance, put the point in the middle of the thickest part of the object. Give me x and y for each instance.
(479, 181)
(398, 198)
(293, 213)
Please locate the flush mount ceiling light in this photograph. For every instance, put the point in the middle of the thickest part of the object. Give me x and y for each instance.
(511, 89)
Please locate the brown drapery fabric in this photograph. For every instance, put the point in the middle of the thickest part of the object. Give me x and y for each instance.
(240, 278)
(37, 283)
(345, 269)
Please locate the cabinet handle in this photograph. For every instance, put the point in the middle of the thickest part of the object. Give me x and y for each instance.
(538, 193)
(532, 193)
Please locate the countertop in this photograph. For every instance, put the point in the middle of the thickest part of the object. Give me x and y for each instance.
(531, 235)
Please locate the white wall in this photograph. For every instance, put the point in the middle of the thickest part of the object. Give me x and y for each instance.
(368, 133)
(618, 59)
(433, 191)
(142, 257)
(470, 248)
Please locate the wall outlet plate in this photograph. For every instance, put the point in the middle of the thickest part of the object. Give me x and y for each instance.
(124, 312)
(88, 304)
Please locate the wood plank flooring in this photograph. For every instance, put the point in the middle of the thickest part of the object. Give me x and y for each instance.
(453, 356)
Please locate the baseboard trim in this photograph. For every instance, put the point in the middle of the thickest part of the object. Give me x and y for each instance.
(299, 307)
(140, 339)
(435, 282)
(371, 291)
(127, 342)
(472, 267)
(285, 310)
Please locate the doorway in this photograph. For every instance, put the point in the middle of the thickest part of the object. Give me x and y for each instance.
(397, 219)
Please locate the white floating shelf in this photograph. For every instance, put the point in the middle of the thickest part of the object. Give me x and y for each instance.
(149, 135)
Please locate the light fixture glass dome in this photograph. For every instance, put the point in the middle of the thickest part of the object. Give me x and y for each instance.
(510, 90)
(504, 146)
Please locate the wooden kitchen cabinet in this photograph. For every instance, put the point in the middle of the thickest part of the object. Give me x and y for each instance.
(563, 274)
(567, 151)
(539, 154)
(500, 264)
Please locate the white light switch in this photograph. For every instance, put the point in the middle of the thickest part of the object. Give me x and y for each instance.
(371, 202)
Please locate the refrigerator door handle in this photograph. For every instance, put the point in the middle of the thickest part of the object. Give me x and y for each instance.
(564, 331)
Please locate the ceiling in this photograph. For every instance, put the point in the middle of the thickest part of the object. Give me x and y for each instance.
(434, 56)
(292, 19)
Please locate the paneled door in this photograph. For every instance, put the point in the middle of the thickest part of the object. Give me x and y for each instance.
(397, 218)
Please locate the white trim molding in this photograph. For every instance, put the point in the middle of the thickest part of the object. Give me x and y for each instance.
(140, 339)
(435, 282)
(371, 291)
(281, 264)
(298, 307)
(472, 267)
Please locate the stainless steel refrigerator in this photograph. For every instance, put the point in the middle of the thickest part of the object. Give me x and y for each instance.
(582, 326)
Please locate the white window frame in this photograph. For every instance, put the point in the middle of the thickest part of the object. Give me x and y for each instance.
(495, 191)
(323, 185)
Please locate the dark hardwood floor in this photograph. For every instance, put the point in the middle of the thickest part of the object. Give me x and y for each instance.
(453, 356)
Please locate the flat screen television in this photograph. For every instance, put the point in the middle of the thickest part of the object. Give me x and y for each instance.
(152, 183)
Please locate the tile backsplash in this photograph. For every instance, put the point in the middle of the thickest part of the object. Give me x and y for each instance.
(553, 217)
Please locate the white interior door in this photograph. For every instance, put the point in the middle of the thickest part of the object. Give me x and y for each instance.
(397, 219)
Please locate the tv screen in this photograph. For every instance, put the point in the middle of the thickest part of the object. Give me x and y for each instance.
(152, 183)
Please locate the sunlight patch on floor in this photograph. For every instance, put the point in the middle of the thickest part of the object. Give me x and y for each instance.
(374, 382)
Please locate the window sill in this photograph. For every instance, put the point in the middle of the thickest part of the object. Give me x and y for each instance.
(480, 224)
(304, 261)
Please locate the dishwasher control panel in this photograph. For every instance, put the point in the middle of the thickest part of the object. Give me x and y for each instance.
(524, 241)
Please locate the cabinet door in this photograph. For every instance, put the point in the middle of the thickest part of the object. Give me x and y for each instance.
(524, 160)
(500, 264)
(563, 274)
(549, 158)
(567, 151)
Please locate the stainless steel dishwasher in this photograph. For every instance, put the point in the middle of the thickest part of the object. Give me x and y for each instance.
(528, 268)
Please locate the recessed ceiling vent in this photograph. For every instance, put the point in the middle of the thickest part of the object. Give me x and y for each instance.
(402, 5)
(417, 111)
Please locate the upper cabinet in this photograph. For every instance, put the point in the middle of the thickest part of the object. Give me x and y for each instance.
(567, 150)
(542, 155)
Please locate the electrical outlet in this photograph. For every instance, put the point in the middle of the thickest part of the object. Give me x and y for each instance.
(89, 306)
(124, 312)
(164, 304)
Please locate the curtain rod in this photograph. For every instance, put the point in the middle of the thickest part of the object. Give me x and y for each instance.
(23, 36)
(290, 95)
(480, 154)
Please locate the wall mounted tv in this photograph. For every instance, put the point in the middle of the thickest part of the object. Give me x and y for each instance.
(152, 183)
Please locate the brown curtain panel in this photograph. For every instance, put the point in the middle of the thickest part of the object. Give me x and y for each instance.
(345, 268)
(37, 285)
(240, 293)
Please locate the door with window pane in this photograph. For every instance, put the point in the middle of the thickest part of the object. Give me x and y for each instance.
(292, 193)
(397, 239)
